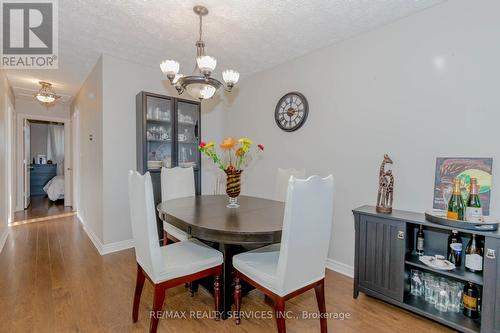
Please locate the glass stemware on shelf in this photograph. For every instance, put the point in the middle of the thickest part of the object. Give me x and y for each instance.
(186, 119)
(447, 191)
(158, 133)
(157, 114)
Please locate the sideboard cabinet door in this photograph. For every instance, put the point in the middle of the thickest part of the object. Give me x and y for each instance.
(381, 256)
(490, 317)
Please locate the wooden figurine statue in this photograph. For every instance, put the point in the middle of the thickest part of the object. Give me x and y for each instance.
(385, 187)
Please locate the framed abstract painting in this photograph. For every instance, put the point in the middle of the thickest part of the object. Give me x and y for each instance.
(448, 168)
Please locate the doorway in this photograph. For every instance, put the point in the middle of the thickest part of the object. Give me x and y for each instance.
(44, 169)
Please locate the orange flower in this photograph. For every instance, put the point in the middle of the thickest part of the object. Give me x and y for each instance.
(239, 152)
(228, 143)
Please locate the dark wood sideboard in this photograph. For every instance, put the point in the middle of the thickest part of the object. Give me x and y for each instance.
(385, 255)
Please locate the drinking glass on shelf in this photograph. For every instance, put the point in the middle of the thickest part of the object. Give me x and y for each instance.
(429, 287)
(443, 299)
(456, 291)
(183, 154)
(416, 286)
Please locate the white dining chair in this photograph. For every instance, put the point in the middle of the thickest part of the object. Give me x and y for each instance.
(167, 266)
(176, 183)
(282, 178)
(283, 271)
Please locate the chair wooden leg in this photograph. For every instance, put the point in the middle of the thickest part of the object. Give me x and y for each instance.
(159, 297)
(165, 238)
(279, 308)
(237, 299)
(193, 287)
(320, 298)
(138, 291)
(217, 296)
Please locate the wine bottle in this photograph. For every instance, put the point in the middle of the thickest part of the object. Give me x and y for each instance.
(455, 248)
(474, 256)
(420, 241)
(471, 300)
(456, 205)
(473, 211)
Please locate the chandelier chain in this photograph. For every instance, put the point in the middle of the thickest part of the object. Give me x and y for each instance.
(201, 30)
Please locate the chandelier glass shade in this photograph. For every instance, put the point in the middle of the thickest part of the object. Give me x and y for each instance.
(200, 84)
(46, 95)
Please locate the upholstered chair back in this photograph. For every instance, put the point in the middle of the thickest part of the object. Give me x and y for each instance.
(144, 230)
(177, 183)
(282, 178)
(306, 232)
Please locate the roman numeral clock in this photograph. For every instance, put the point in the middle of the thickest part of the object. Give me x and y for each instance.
(291, 111)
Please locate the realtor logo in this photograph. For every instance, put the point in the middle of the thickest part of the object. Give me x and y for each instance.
(29, 34)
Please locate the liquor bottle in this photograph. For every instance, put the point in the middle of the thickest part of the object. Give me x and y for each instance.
(420, 241)
(455, 248)
(473, 211)
(456, 205)
(471, 300)
(474, 255)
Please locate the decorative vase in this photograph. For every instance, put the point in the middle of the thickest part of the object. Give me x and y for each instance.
(233, 186)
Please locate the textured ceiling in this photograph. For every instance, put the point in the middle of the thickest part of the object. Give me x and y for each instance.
(247, 35)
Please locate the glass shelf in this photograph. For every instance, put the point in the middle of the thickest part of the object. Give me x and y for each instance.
(160, 141)
(186, 124)
(158, 121)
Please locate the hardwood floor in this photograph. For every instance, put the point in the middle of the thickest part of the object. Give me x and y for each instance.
(41, 209)
(53, 280)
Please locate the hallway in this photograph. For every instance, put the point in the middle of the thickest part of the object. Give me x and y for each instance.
(41, 209)
(55, 281)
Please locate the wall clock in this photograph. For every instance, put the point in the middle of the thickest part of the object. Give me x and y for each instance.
(291, 111)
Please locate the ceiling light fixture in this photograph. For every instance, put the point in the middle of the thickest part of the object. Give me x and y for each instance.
(46, 95)
(200, 84)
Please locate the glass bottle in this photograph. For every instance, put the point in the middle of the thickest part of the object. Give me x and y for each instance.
(455, 248)
(473, 212)
(474, 255)
(471, 300)
(420, 241)
(456, 206)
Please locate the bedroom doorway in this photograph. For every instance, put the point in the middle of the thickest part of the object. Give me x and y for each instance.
(44, 169)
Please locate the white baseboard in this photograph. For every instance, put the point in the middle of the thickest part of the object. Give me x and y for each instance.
(117, 246)
(93, 237)
(3, 239)
(104, 249)
(339, 267)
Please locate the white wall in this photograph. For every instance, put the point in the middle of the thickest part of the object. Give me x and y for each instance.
(422, 87)
(89, 105)
(122, 81)
(104, 163)
(34, 108)
(31, 109)
(6, 155)
(38, 139)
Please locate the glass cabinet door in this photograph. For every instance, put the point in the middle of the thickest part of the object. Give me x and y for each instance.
(159, 132)
(188, 134)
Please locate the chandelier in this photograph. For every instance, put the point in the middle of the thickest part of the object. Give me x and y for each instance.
(200, 84)
(46, 95)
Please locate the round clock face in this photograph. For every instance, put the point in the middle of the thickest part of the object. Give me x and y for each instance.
(291, 111)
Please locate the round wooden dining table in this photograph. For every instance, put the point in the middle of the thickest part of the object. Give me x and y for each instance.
(256, 222)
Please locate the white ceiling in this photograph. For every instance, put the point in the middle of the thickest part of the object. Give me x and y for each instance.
(247, 35)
